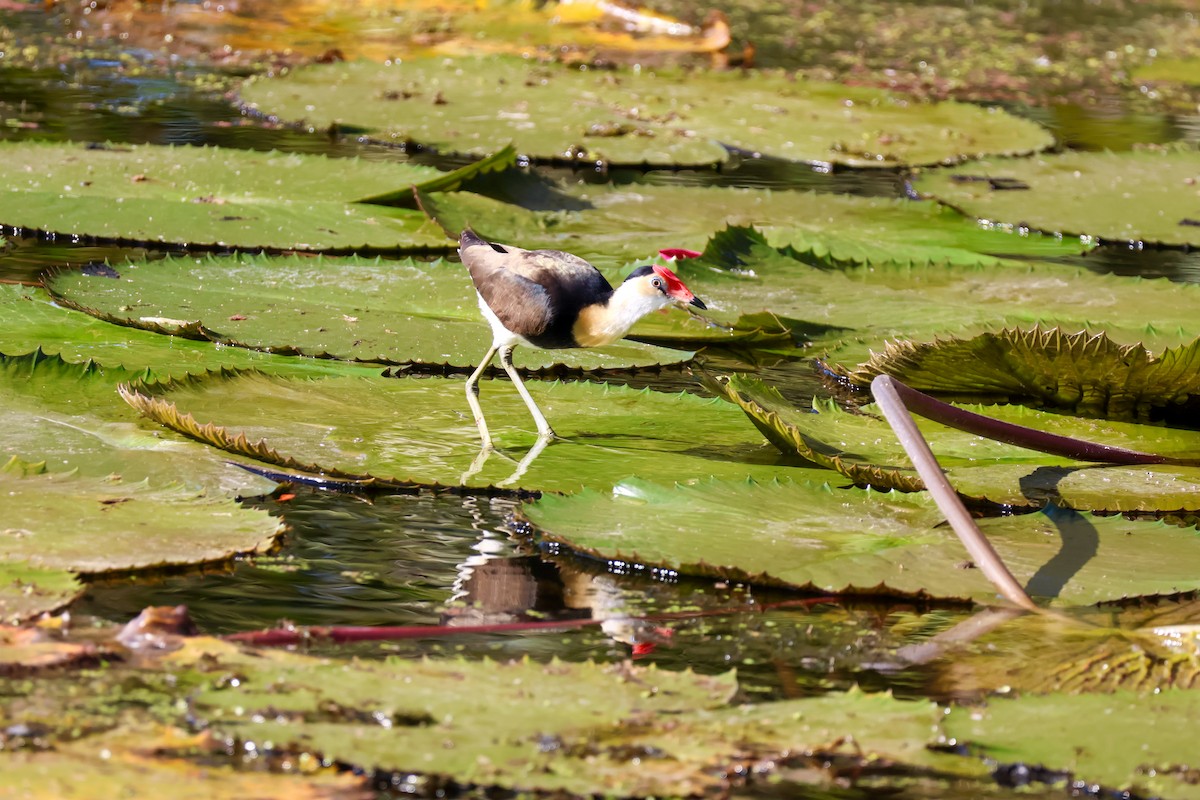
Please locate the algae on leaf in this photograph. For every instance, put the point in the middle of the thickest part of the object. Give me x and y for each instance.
(1123, 741)
(552, 112)
(583, 729)
(1146, 196)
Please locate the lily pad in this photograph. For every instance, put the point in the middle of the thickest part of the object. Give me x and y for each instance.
(152, 761)
(557, 727)
(1152, 756)
(27, 590)
(55, 520)
(612, 224)
(555, 113)
(1087, 375)
(409, 432)
(35, 323)
(28, 649)
(70, 418)
(388, 312)
(1150, 196)
(854, 541)
(212, 196)
(867, 302)
(863, 447)
(1093, 650)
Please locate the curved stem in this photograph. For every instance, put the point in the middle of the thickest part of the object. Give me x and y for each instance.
(1031, 438)
(980, 549)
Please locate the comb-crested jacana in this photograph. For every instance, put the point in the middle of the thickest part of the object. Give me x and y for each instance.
(551, 299)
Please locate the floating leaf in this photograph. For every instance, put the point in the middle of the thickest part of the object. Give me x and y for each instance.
(613, 224)
(71, 417)
(55, 521)
(419, 431)
(1093, 650)
(818, 538)
(1152, 756)
(34, 323)
(405, 197)
(551, 112)
(1085, 374)
(24, 650)
(874, 301)
(1139, 196)
(557, 727)
(863, 447)
(390, 312)
(211, 196)
(146, 761)
(27, 590)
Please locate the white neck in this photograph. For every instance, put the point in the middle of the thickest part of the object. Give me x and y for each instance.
(603, 324)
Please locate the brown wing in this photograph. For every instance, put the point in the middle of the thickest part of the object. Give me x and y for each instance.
(531, 291)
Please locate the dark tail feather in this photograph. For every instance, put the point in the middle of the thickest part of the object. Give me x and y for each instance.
(469, 238)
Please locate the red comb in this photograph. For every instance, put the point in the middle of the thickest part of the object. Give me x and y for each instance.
(674, 285)
(678, 252)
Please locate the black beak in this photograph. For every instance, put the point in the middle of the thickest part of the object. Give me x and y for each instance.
(698, 303)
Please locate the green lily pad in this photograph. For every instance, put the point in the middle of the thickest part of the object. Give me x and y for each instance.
(817, 538)
(389, 312)
(863, 447)
(1151, 757)
(70, 417)
(35, 323)
(613, 224)
(27, 590)
(1140, 196)
(149, 761)
(1087, 375)
(556, 727)
(419, 431)
(646, 116)
(212, 196)
(55, 520)
(878, 300)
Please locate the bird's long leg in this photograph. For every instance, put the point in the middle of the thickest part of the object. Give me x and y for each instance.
(544, 429)
(529, 458)
(473, 397)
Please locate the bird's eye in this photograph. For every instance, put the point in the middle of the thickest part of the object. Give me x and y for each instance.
(656, 283)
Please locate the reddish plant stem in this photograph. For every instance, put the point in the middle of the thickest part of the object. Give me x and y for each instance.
(282, 637)
(890, 399)
(951, 416)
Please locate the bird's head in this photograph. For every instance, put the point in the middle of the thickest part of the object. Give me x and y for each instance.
(655, 280)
